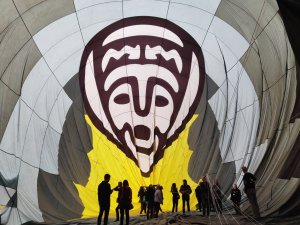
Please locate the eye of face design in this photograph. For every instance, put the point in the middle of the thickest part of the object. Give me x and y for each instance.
(122, 99)
(161, 101)
(142, 85)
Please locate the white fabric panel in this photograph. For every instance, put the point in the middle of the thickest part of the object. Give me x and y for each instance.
(190, 15)
(214, 68)
(63, 50)
(49, 157)
(225, 140)
(80, 4)
(92, 30)
(14, 217)
(229, 37)
(27, 193)
(240, 142)
(34, 82)
(145, 8)
(196, 32)
(5, 193)
(56, 32)
(60, 109)
(218, 104)
(257, 155)
(246, 92)
(34, 141)
(99, 13)
(5, 215)
(16, 130)
(47, 98)
(66, 70)
(209, 6)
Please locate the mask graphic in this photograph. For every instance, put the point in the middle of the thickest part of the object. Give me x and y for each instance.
(141, 80)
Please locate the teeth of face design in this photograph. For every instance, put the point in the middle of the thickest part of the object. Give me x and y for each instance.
(142, 84)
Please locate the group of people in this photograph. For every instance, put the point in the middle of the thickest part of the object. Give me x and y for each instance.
(124, 200)
(151, 197)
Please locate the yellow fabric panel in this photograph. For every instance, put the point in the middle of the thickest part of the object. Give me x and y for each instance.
(107, 158)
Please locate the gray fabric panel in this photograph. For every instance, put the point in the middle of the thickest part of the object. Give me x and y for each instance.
(12, 41)
(74, 145)
(237, 13)
(51, 189)
(8, 14)
(23, 6)
(7, 103)
(46, 12)
(20, 66)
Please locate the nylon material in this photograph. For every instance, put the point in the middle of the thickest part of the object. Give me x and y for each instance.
(18, 69)
(46, 12)
(5, 193)
(179, 13)
(210, 6)
(47, 98)
(99, 13)
(53, 30)
(49, 155)
(63, 50)
(38, 75)
(31, 152)
(59, 111)
(15, 36)
(68, 68)
(16, 129)
(27, 199)
(7, 16)
(201, 148)
(150, 8)
(229, 36)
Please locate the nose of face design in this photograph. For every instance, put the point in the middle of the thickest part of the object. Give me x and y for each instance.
(142, 132)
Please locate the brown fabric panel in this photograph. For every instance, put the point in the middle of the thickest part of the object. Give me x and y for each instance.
(39, 16)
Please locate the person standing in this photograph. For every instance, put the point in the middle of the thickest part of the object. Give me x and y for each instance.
(158, 199)
(125, 202)
(150, 200)
(185, 190)
(198, 196)
(104, 192)
(175, 197)
(142, 197)
(249, 184)
(205, 196)
(118, 189)
(236, 197)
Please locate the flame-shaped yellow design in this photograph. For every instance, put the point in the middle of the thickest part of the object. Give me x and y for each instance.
(107, 158)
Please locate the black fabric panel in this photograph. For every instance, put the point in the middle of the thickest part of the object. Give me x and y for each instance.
(290, 13)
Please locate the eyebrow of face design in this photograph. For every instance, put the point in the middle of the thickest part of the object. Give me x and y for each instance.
(133, 69)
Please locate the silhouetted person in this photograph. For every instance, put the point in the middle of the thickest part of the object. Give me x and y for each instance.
(125, 202)
(142, 196)
(175, 197)
(249, 183)
(205, 196)
(150, 200)
(158, 199)
(185, 190)
(118, 189)
(217, 196)
(198, 196)
(104, 192)
(236, 197)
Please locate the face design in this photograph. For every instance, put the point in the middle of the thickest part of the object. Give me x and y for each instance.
(141, 80)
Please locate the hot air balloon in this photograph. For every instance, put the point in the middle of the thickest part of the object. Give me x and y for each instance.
(151, 91)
